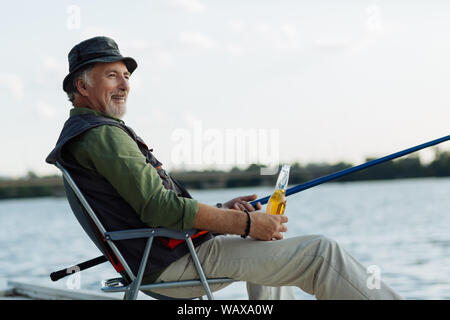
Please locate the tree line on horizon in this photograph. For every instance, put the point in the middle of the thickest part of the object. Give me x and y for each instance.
(405, 167)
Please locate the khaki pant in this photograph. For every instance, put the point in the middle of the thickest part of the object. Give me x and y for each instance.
(315, 264)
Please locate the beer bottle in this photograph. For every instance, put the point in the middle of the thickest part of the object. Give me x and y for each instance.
(277, 202)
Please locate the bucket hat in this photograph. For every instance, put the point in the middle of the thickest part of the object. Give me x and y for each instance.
(97, 49)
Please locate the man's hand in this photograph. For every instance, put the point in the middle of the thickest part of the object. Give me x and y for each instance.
(267, 226)
(263, 226)
(241, 203)
(231, 220)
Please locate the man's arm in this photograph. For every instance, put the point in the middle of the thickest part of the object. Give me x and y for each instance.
(228, 221)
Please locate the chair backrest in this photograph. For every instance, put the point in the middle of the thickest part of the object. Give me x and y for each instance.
(82, 217)
(92, 226)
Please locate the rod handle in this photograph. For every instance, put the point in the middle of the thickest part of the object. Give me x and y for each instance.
(55, 276)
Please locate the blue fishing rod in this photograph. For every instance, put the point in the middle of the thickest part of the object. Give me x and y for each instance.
(336, 175)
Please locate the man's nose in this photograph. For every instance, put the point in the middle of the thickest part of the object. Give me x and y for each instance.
(123, 84)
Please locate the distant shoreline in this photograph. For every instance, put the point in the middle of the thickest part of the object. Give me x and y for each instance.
(33, 186)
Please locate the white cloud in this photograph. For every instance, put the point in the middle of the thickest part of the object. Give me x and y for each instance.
(165, 58)
(282, 36)
(13, 84)
(196, 39)
(348, 44)
(134, 44)
(192, 6)
(334, 42)
(289, 30)
(53, 65)
(94, 31)
(236, 25)
(235, 49)
(136, 83)
(159, 56)
(45, 110)
(264, 29)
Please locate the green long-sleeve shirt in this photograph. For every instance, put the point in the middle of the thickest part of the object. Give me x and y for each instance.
(110, 152)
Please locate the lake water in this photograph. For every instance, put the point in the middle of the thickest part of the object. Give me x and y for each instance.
(401, 226)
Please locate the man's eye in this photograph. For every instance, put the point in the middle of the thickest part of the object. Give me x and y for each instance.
(111, 75)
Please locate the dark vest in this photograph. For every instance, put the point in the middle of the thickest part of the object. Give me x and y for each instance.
(111, 209)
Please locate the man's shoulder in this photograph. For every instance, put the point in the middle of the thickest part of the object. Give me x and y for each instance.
(105, 141)
(82, 132)
(104, 133)
(91, 120)
(94, 124)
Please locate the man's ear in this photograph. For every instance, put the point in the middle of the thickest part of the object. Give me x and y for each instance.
(82, 87)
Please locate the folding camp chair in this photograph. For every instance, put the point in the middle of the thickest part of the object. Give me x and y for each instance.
(129, 283)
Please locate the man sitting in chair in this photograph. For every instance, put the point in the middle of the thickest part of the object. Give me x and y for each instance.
(128, 189)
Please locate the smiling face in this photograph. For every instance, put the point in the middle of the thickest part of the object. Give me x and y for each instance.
(108, 90)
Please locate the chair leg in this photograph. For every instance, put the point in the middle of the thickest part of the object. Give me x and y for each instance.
(128, 295)
(199, 269)
(133, 289)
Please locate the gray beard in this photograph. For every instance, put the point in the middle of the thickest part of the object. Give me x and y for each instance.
(116, 111)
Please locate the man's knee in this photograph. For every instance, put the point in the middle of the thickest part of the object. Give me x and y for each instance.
(329, 242)
(324, 246)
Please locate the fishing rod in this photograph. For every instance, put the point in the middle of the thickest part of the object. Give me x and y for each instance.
(338, 174)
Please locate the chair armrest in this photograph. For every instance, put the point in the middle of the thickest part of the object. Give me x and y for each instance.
(149, 232)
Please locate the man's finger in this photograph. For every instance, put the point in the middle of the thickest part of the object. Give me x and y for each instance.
(249, 197)
(278, 236)
(247, 205)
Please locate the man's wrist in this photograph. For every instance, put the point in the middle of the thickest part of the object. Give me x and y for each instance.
(248, 226)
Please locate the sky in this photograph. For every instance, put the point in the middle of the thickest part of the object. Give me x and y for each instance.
(227, 83)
